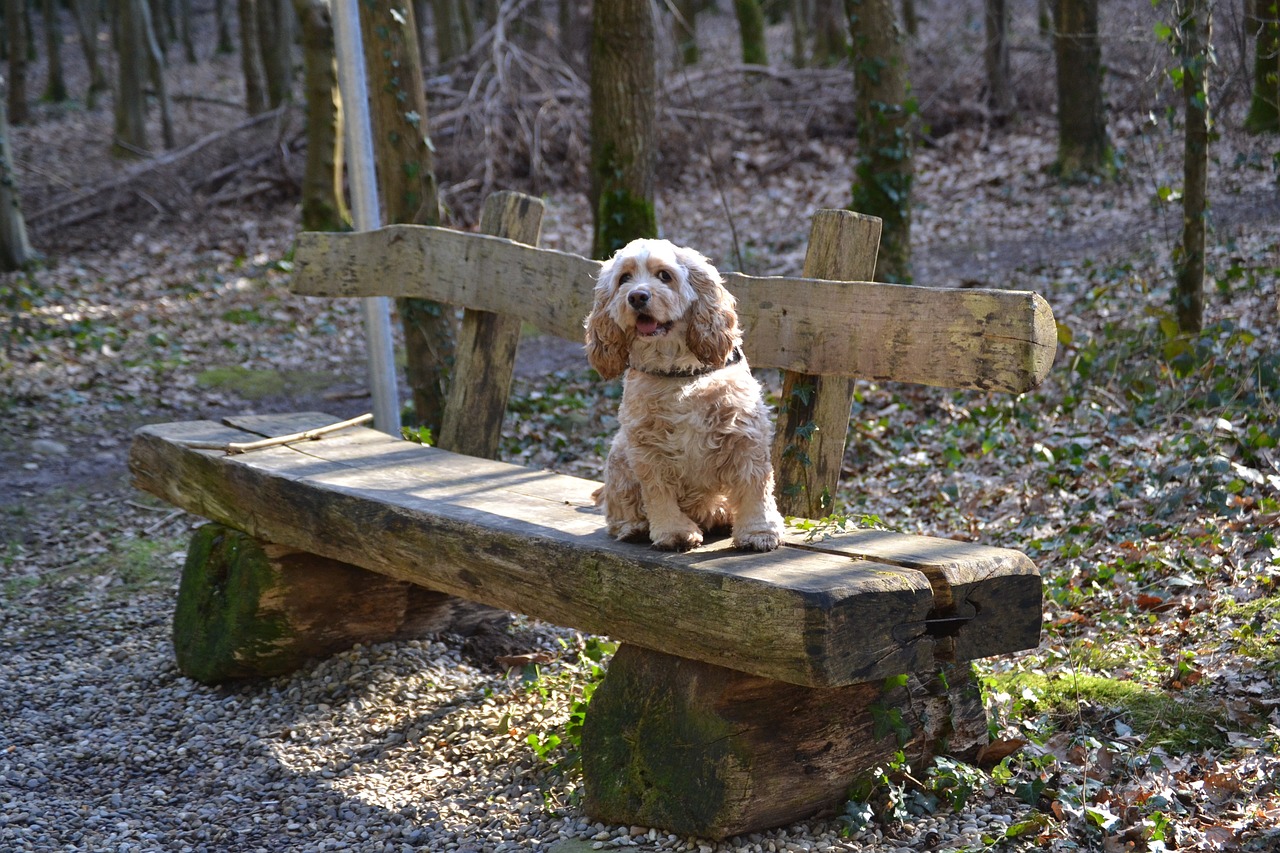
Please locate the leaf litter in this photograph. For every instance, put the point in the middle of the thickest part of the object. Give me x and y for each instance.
(1143, 477)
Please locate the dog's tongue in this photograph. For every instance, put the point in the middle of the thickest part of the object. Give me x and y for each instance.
(646, 325)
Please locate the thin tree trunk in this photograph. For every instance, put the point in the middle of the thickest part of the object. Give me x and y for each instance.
(1195, 34)
(883, 173)
(450, 36)
(910, 20)
(407, 187)
(15, 251)
(16, 41)
(130, 95)
(156, 67)
(56, 89)
(999, 86)
(323, 207)
(801, 27)
(255, 93)
(830, 33)
(184, 31)
(275, 41)
(751, 30)
(686, 17)
(222, 22)
(1083, 146)
(623, 115)
(1263, 21)
(87, 25)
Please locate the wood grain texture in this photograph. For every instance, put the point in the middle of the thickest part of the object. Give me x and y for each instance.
(247, 608)
(970, 338)
(706, 751)
(533, 542)
(813, 417)
(485, 355)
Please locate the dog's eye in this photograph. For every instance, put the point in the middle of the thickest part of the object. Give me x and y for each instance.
(624, 278)
(665, 276)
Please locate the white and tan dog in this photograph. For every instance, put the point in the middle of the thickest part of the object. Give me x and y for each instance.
(693, 450)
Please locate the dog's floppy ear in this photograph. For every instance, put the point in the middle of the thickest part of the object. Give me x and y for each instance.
(713, 320)
(606, 341)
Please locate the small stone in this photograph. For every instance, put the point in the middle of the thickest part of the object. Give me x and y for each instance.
(48, 447)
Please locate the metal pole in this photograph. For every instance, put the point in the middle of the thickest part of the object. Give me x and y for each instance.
(352, 81)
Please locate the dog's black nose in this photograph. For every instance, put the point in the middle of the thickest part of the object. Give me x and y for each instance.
(638, 298)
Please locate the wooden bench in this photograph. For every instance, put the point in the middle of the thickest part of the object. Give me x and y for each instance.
(749, 689)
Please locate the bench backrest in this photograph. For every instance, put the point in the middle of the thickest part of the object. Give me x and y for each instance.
(822, 330)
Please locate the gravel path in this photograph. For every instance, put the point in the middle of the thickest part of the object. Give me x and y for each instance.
(420, 745)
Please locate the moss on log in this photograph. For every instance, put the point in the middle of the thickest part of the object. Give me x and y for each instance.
(247, 608)
(702, 750)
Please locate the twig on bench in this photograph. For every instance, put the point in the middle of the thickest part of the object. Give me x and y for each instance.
(234, 447)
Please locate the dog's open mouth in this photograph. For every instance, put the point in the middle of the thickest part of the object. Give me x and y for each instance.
(648, 327)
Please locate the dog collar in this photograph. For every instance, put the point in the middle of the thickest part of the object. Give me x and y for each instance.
(693, 372)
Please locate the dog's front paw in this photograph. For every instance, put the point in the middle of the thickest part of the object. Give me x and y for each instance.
(680, 540)
(629, 531)
(760, 541)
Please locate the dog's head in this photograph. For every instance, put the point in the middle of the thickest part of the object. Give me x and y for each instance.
(662, 297)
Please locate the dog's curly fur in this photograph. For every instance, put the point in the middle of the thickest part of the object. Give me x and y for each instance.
(693, 450)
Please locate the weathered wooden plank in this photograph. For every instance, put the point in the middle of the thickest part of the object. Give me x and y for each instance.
(532, 542)
(702, 750)
(969, 338)
(813, 417)
(485, 357)
(983, 596)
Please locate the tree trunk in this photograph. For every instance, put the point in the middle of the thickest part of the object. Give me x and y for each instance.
(450, 35)
(801, 28)
(1195, 35)
(910, 20)
(15, 251)
(184, 32)
(687, 30)
(56, 89)
(323, 206)
(155, 67)
(1083, 147)
(275, 41)
(130, 97)
(87, 25)
(222, 22)
(16, 42)
(407, 187)
(623, 114)
(751, 30)
(830, 33)
(999, 86)
(255, 93)
(883, 173)
(1263, 21)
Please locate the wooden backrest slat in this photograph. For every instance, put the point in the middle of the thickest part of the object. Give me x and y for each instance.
(994, 340)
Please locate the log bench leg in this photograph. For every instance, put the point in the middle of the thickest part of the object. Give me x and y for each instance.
(248, 608)
(698, 749)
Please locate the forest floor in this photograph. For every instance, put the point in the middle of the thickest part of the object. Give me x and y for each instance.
(1143, 478)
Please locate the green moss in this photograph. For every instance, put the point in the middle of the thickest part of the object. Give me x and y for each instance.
(623, 217)
(219, 621)
(658, 753)
(260, 384)
(1179, 722)
(1257, 631)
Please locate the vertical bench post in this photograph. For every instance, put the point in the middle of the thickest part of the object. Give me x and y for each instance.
(813, 418)
(485, 357)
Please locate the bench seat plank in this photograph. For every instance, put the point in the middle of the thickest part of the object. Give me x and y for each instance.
(994, 340)
(818, 614)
